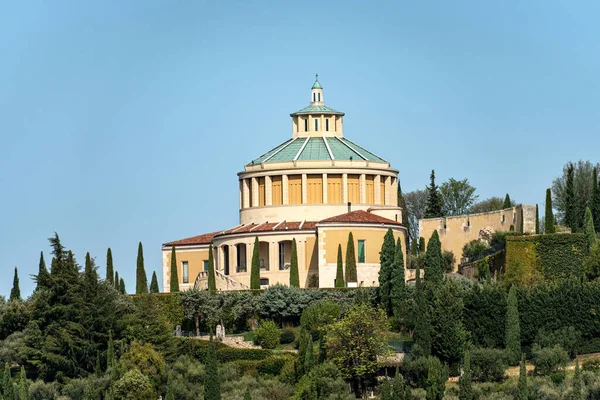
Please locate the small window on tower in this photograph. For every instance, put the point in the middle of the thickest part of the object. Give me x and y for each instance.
(316, 124)
(327, 125)
(314, 97)
(319, 96)
(306, 125)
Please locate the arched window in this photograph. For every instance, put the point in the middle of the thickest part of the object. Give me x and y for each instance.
(316, 124)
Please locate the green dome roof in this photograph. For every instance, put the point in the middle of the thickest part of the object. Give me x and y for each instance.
(317, 149)
(317, 110)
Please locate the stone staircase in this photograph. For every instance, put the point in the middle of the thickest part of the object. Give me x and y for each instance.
(224, 282)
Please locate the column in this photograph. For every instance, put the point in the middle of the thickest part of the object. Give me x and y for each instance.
(388, 190)
(273, 256)
(268, 191)
(233, 264)
(304, 189)
(363, 189)
(245, 193)
(255, 194)
(220, 265)
(284, 183)
(249, 251)
(324, 188)
(345, 188)
(394, 192)
(377, 184)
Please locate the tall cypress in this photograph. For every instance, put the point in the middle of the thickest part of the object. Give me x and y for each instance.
(522, 224)
(507, 202)
(414, 247)
(255, 267)
(294, 274)
(8, 389)
(174, 276)
(434, 261)
(596, 198)
(422, 318)
(154, 283)
(23, 385)
(122, 286)
(386, 259)
(42, 278)
(141, 281)
(350, 261)
(309, 357)
(570, 217)
(537, 220)
(339, 275)
(117, 280)
(588, 227)
(434, 199)
(421, 244)
(110, 274)
(212, 280)
(465, 382)
(512, 338)
(110, 352)
(577, 383)
(549, 216)
(522, 392)
(15, 293)
(212, 385)
(398, 282)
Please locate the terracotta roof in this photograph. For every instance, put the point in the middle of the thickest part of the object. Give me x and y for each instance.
(360, 217)
(200, 239)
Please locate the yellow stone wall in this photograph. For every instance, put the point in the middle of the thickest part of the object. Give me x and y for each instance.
(195, 258)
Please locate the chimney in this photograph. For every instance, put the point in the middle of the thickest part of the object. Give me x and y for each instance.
(349, 207)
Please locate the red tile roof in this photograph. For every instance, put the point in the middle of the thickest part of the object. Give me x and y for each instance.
(200, 239)
(361, 217)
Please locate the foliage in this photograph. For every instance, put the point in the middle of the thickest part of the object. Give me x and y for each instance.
(212, 385)
(465, 381)
(458, 197)
(595, 204)
(255, 267)
(212, 282)
(287, 336)
(567, 337)
(571, 217)
(489, 204)
(549, 216)
(421, 245)
(577, 383)
(588, 227)
(449, 260)
(434, 261)
(386, 262)
(398, 283)
(339, 275)
(474, 249)
(548, 359)
(110, 271)
(294, 277)
(582, 172)
(448, 334)
(437, 375)
(202, 307)
(507, 202)
(489, 365)
(317, 316)
(323, 382)
(154, 283)
(350, 260)
(267, 334)
(591, 263)
(512, 338)
(416, 202)
(484, 314)
(522, 390)
(309, 355)
(134, 386)
(141, 281)
(421, 318)
(147, 360)
(174, 281)
(434, 207)
(537, 220)
(15, 292)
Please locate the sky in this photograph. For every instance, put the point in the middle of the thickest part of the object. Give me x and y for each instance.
(126, 122)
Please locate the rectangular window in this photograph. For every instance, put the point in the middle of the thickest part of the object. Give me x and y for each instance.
(361, 251)
(264, 282)
(314, 189)
(319, 96)
(261, 192)
(334, 189)
(281, 256)
(205, 264)
(306, 125)
(316, 124)
(327, 125)
(370, 188)
(314, 97)
(186, 272)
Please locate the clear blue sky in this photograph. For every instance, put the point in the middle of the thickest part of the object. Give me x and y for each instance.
(111, 113)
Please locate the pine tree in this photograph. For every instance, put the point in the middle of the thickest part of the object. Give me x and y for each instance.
(154, 283)
(434, 261)
(537, 220)
(212, 386)
(386, 260)
(212, 280)
(339, 276)
(570, 218)
(42, 276)
(23, 385)
(512, 337)
(309, 358)
(549, 216)
(596, 198)
(122, 286)
(15, 293)
(255, 267)
(294, 277)
(117, 280)
(434, 199)
(141, 282)
(422, 319)
(507, 202)
(8, 388)
(577, 383)
(588, 227)
(465, 382)
(398, 282)
(522, 393)
(174, 281)
(350, 260)
(421, 245)
(110, 274)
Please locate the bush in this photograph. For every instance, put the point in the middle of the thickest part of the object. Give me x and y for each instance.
(267, 334)
(488, 365)
(549, 359)
(269, 366)
(39, 390)
(592, 364)
(449, 260)
(287, 336)
(567, 337)
(199, 348)
(415, 371)
(474, 249)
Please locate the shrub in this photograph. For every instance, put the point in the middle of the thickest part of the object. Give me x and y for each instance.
(269, 366)
(287, 336)
(592, 364)
(415, 371)
(134, 385)
(567, 337)
(449, 260)
(488, 365)
(39, 390)
(267, 334)
(474, 249)
(318, 315)
(549, 359)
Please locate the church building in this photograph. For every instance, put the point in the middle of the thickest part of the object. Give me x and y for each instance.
(316, 188)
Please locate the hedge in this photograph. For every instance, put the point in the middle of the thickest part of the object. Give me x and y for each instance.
(199, 348)
(269, 366)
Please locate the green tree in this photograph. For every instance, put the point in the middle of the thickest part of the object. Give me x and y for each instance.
(421, 318)
(339, 276)
(549, 216)
(398, 282)
(434, 261)
(134, 386)
(465, 381)
(448, 334)
(588, 228)
(458, 197)
(247, 395)
(212, 280)
(110, 273)
(386, 261)
(154, 283)
(577, 383)
(522, 393)
(537, 220)
(15, 293)
(512, 338)
(416, 203)
(294, 277)
(570, 217)
(421, 244)
(591, 263)
(117, 280)
(437, 375)
(434, 207)
(23, 385)
(110, 352)
(582, 188)
(309, 357)
(122, 286)
(141, 282)
(491, 204)
(174, 282)
(385, 390)
(596, 197)
(8, 388)
(507, 202)
(212, 386)
(255, 267)
(350, 260)
(43, 276)
(414, 248)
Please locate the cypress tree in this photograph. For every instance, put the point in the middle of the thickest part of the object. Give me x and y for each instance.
(588, 227)
(385, 391)
(522, 224)
(247, 395)
(422, 319)
(169, 395)
(339, 276)
(89, 272)
(596, 198)
(42, 278)
(122, 286)
(421, 244)
(322, 356)
(154, 283)
(309, 357)
(522, 393)
(8, 389)
(117, 280)
(212, 280)
(23, 385)
(465, 382)
(350, 260)
(570, 217)
(577, 383)
(507, 202)
(414, 247)
(398, 281)
(537, 220)
(174, 280)
(434, 199)
(212, 386)
(110, 352)
(110, 274)
(294, 277)
(549, 216)
(255, 267)
(15, 293)
(386, 260)
(436, 380)
(402, 205)
(434, 261)
(141, 282)
(512, 338)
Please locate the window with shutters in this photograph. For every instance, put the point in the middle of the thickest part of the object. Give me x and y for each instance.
(314, 189)
(277, 190)
(334, 189)
(295, 189)
(370, 188)
(353, 189)
(261, 192)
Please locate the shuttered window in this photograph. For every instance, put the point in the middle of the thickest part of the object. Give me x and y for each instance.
(334, 189)
(314, 189)
(295, 189)
(353, 189)
(261, 192)
(277, 190)
(382, 190)
(370, 187)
